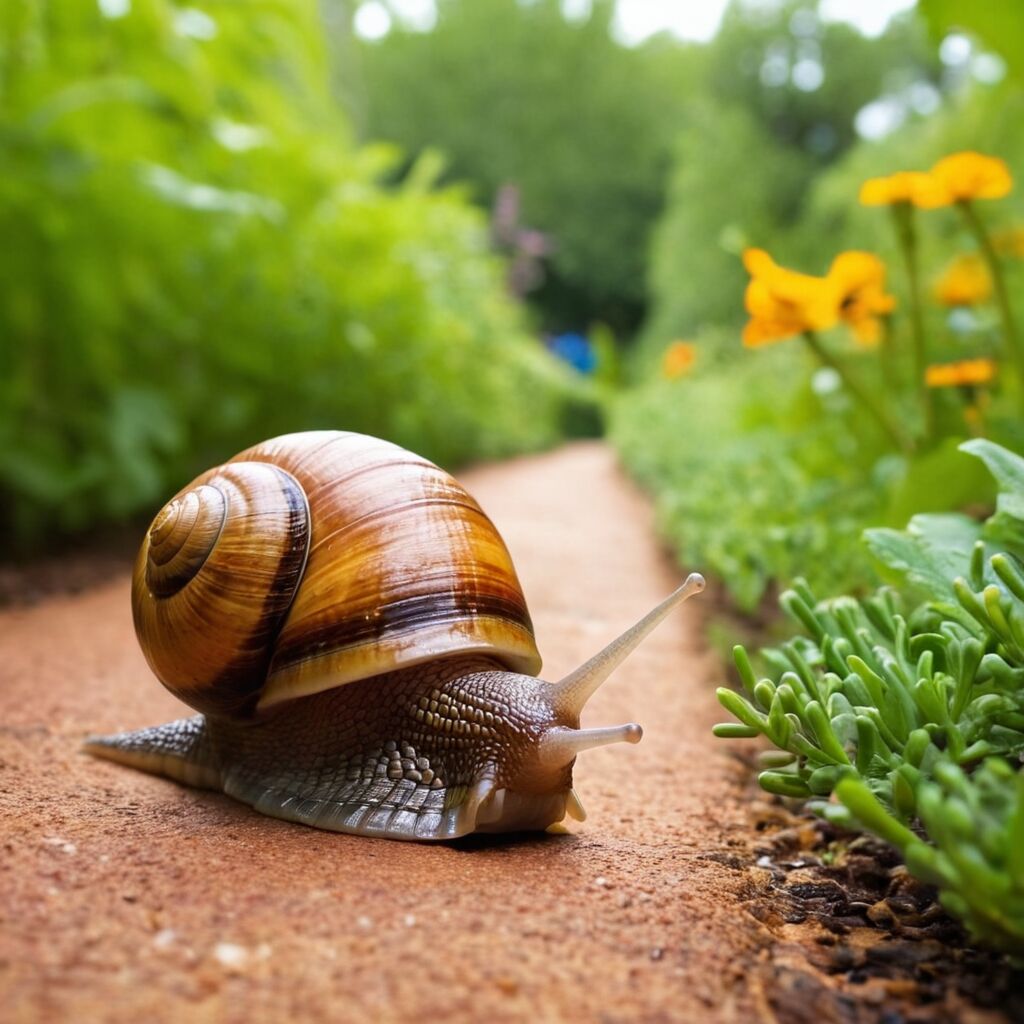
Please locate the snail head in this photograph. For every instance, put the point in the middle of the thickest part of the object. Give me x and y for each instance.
(538, 780)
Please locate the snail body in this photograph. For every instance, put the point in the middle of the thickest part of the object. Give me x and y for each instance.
(349, 623)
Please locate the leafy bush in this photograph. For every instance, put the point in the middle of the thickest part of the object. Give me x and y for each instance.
(755, 476)
(884, 710)
(196, 257)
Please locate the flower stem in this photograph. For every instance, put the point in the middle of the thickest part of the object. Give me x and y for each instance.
(898, 437)
(999, 283)
(903, 218)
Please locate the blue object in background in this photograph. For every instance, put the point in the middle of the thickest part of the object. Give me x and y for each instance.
(576, 350)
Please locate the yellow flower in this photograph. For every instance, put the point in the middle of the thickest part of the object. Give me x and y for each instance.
(964, 176)
(782, 303)
(965, 282)
(914, 187)
(678, 359)
(859, 281)
(963, 372)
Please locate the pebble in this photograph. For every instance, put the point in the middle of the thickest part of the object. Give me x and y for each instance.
(231, 956)
(64, 845)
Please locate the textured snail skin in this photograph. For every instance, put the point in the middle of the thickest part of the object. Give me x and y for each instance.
(452, 752)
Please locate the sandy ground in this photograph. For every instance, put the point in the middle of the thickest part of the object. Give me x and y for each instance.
(127, 897)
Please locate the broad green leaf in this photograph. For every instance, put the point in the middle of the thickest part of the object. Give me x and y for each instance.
(932, 552)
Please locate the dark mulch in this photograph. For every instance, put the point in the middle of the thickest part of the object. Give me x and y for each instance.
(859, 939)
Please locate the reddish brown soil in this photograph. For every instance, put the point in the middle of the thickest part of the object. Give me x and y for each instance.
(125, 897)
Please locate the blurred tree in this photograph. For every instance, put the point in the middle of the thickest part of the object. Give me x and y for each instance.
(776, 102)
(518, 93)
(998, 25)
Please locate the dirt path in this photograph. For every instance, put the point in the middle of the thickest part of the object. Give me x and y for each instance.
(126, 897)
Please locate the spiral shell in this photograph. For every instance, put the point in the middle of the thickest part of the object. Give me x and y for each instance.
(318, 559)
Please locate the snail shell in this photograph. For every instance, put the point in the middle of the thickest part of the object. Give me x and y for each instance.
(318, 559)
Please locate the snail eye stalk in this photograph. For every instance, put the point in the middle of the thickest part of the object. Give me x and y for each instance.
(560, 746)
(573, 692)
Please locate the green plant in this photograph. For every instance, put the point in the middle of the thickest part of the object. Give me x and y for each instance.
(196, 257)
(884, 709)
(755, 475)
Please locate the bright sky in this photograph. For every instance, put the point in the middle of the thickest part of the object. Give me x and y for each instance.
(698, 19)
(638, 19)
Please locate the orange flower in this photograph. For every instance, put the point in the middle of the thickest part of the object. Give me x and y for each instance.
(678, 359)
(963, 372)
(859, 280)
(965, 282)
(965, 176)
(903, 187)
(782, 303)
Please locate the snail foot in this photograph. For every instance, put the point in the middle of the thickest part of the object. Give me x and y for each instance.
(178, 750)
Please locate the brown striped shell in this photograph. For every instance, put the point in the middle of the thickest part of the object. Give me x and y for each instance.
(317, 559)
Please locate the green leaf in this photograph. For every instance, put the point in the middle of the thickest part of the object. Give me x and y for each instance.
(930, 553)
(864, 806)
(1008, 470)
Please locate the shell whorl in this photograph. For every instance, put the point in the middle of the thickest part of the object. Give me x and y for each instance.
(181, 538)
(216, 574)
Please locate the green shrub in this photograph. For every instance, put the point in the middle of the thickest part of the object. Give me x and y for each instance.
(756, 478)
(885, 708)
(196, 257)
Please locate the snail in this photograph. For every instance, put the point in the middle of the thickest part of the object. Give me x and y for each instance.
(348, 623)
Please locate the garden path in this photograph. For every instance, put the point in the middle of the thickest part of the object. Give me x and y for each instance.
(126, 897)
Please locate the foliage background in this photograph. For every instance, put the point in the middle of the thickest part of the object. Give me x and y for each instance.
(227, 221)
(198, 255)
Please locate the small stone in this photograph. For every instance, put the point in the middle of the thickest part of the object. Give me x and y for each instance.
(231, 956)
(414, 776)
(657, 953)
(422, 763)
(601, 882)
(165, 938)
(409, 920)
(390, 746)
(407, 751)
(506, 985)
(427, 776)
(64, 845)
(364, 922)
